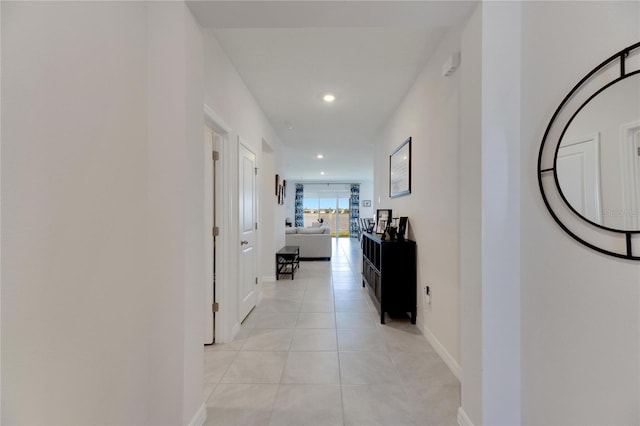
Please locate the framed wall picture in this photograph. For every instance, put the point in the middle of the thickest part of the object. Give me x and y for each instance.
(400, 170)
(277, 185)
(280, 194)
(366, 203)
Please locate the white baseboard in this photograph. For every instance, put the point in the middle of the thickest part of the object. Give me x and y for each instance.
(268, 279)
(235, 330)
(200, 417)
(441, 350)
(463, 419)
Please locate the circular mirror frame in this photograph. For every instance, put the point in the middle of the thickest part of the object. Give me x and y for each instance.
(591, 233)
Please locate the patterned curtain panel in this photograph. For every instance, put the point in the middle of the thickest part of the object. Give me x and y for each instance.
(299, 222)
(354, 206)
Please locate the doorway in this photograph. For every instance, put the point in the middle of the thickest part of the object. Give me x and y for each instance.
(212, 145)
(248, 226)
(578, 173)
(217, 219)
(333, 211)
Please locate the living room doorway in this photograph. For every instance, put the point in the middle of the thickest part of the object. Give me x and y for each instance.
(333, 211)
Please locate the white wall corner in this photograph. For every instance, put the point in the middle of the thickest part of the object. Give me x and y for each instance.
(201, 416)
(463, 419)
(448, 359)
(216, 119)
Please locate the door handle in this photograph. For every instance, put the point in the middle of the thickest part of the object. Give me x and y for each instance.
(243, 242)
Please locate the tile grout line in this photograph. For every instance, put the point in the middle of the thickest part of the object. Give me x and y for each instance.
(338, 352)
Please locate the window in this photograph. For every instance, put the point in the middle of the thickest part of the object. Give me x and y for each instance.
(333, 210)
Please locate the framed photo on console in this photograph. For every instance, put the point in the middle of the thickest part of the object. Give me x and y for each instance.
(402, 227)
(383, 218)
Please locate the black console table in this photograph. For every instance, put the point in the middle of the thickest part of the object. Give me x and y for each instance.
(389, 272)
(287, 261)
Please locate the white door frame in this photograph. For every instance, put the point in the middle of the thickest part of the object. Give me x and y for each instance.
(225, 323)
(592, 180)
(628, 155)
(210, 145)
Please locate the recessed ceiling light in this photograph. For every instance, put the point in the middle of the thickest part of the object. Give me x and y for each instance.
(321, 173)
(319, 156)
(329, 97)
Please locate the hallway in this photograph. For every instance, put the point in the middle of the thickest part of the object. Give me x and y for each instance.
(314, 353)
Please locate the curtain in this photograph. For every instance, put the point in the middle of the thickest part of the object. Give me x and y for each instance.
(299, 221)
(354, 207)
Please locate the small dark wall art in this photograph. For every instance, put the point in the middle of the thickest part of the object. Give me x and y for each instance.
(281, 189)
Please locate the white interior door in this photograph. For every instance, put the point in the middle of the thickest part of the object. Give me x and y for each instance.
(578, 172)
(248, 222)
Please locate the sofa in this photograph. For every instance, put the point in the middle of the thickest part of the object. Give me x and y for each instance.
(314, 242)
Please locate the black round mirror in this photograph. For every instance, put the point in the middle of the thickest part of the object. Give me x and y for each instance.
(589, 159)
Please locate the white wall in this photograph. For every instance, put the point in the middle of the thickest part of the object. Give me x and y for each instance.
(228, 96)
(366, 193)
(578, 332)
(74, 202)
(268, 206)
(580, 309)
(500, 188)
(471, 218)
(102, 267)
(194, 217)
(430, 115)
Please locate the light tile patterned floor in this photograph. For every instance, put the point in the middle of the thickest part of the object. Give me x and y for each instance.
(314, 353)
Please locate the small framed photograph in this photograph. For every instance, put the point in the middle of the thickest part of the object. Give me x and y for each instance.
(402, 227)
(383, 219)
(366, 203)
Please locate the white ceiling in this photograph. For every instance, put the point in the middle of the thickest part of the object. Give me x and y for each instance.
(367, 53)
